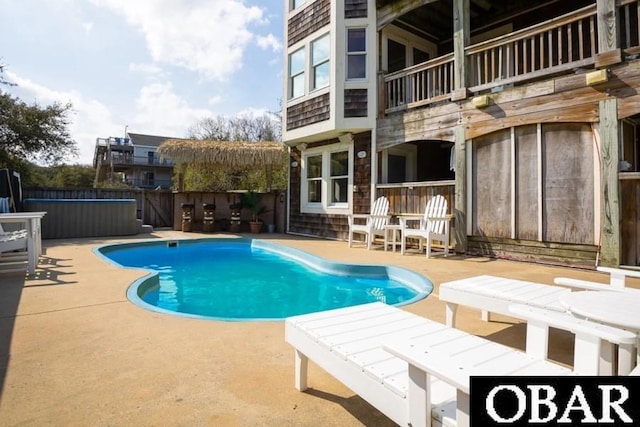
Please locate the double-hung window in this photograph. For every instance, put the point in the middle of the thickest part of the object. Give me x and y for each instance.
(338, 177)
(320, 62)
(356, 53)
(296, 73)
(326, 179)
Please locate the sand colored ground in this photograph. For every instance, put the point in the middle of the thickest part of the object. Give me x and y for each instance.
(75, 352)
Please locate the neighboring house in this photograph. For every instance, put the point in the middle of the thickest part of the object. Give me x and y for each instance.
(133, 161)
(524, 114)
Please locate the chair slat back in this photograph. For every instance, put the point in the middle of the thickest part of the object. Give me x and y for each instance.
(380, 207)
(436, 207)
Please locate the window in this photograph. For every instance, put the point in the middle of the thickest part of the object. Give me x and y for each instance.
(320, 62)
(296, 73)
(148, 178)
(314, 179)
(327, 178)
(356, 53)
(339, 177)
(297, 3)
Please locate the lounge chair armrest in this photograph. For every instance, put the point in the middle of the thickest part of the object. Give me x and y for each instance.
(592, 286)
(619, 271)
(576, 325)
(618, 276)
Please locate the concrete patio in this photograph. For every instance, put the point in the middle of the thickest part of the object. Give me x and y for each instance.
(75, 352)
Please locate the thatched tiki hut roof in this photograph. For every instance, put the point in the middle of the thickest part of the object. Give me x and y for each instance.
(224, 154)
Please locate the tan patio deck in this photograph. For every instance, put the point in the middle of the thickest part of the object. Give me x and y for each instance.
(75, 351)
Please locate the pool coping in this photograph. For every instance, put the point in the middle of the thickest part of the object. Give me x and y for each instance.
(151, 279)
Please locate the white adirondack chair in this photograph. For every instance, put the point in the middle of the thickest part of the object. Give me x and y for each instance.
(374, 223)
(434, 225)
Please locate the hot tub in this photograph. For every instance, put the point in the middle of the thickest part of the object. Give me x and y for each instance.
(67, 218)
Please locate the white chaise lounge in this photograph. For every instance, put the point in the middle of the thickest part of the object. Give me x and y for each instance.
(13, 250)
(414, 370)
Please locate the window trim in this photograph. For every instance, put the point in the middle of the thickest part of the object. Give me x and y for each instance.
(325, 206)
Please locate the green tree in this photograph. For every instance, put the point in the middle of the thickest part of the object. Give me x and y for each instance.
(32, 133)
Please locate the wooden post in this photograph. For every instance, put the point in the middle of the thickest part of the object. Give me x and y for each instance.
(461, 190)
(181, 170)
(461, 31)
(608, 34)
(610, 203)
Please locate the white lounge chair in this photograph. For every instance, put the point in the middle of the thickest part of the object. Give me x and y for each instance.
(414, 370)
(493, 294)
(433, 225)
(13, 240)
(372, 224)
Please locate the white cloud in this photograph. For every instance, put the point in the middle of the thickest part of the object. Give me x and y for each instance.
(88, 26)
(149, 70)
(89, 118)
(269, 41)
(162, 112)
(206, 36)
(215, 100)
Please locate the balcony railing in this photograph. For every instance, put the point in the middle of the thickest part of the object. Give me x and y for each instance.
(421, 84)
(162, 184)
(128, 159)
(560, 45)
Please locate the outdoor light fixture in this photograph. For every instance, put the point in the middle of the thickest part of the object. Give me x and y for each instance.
(362, 154)
(597, 77)
(294, 164)
(481, 101)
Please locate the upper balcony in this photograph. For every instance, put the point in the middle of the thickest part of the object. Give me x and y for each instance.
(564, 44)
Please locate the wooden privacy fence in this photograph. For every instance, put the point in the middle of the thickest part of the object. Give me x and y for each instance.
(154, 208)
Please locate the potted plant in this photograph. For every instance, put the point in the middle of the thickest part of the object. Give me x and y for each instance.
(251, 200)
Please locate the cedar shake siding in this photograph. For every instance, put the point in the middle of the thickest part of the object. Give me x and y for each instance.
(355, 103)
(309, 112)
(331, 226)
(355, 9)
(362, 173)
(311, 19)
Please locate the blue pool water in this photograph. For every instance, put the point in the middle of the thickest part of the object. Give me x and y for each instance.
(242, 279)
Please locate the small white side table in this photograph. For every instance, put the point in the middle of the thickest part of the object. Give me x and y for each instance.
(392, 235)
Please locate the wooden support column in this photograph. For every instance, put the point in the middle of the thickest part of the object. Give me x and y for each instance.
(610, 203)
(609, 51)
(461, 32)
(461, 190)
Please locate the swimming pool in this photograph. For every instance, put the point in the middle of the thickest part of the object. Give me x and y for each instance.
(251, 279)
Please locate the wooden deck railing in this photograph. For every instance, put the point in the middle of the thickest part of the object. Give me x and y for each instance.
(421, 84)
(412, 197)
(559, 45)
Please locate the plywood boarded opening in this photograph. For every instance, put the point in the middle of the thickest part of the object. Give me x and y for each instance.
(535, 182)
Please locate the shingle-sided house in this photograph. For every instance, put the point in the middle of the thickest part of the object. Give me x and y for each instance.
(133, 160)
(524, 114)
